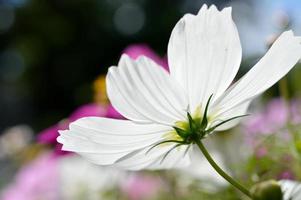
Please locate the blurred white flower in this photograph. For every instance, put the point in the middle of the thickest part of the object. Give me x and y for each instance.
(83, 180)
(183, 106)
(290, 189)
(200, 170)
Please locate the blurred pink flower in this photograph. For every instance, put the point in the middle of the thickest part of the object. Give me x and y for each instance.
(286, 175)
(139, 187)
(136, 50)
(296, 111)
(49, 135)
(273, 118)
(36, 180)
(277, 113)
(261, 152)
(113, 113)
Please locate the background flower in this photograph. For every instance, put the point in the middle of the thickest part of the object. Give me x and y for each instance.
(36, 180)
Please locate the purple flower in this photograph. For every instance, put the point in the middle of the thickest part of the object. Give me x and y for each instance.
(287, 175)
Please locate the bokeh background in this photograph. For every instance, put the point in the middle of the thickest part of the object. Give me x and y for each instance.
(52, 51)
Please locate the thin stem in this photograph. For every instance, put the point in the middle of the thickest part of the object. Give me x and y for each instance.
(284, 92)
(283, 89)
(220, 171)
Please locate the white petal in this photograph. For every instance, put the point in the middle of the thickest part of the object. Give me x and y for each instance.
(154, 159)
(177, 158)
(143, 91)
(291, 189)
(103, 141)
(236, 111)
(204, 53)
(277, 62)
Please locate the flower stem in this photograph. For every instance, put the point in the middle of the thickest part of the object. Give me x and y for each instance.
(283, 89)
(220, 171)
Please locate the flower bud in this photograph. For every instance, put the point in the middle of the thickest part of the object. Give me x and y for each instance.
(266, 191)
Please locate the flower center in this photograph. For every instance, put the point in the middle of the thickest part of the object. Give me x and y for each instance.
(196, 126)
(191, 130)
(194, 129)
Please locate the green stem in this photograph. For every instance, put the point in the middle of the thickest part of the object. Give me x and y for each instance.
(220, 171)
(284, 92)
(283, 89)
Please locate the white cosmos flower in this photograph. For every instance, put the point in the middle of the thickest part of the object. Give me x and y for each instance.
(291, 189)
(204, 55)
(80, 179)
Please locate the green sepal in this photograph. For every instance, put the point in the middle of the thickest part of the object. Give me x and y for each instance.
(223, 122)
(163, 142)
(204, 122)
(190, 120)
(180, 132)
(168, 152)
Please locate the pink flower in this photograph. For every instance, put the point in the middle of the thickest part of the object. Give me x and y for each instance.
(296, 111)
(286, 175)
(136, 50)
(49, 135)
(261, 152)
(273, 118)
(37, 180)
(277, 113)
(139, 187)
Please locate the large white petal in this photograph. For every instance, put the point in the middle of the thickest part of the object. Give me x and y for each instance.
(282, 56)
(204, 53)
(156, 158)
(143, 91)
(103, 141)
(236, 111)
